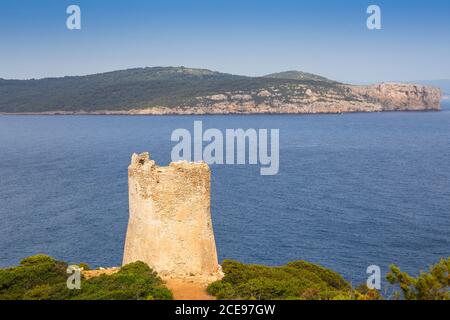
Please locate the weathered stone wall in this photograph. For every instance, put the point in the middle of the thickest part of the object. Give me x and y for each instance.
(170, 221)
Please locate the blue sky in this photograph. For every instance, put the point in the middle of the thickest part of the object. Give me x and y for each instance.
(250, 37)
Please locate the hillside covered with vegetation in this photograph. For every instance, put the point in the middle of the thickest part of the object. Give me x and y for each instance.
(41, 277)
(301, 280)
(133, 88)
(297, 75)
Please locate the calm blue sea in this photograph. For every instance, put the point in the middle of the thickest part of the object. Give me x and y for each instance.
(353, 190)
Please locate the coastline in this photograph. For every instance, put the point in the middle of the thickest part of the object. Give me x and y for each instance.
(147, 112)
(300, 99)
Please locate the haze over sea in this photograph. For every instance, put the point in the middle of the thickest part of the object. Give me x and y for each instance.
(353, 190)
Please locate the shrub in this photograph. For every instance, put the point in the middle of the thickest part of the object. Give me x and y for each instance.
(297, 280)
(135, 281)
(37, 260)
(32, 272)
(363, 292)
(330, 277)
(41, 277)
(431, 285)
(84, 266)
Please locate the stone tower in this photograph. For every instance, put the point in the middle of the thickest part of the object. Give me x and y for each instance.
(170, 225)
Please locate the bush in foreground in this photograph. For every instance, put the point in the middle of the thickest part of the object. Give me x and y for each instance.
(41, 277)
(432, 285)
(307, 281)
(296, 280)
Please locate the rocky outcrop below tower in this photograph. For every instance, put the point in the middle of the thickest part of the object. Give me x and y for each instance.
(170, 225)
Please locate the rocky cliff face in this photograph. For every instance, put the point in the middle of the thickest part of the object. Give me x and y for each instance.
(299, 98)
(397, 96)
(304, 99)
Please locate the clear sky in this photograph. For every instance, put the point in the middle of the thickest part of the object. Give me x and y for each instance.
(249, 37)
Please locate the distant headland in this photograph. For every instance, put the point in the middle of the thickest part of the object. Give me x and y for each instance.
(181, 90)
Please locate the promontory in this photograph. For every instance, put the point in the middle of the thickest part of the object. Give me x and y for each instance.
(181, 90)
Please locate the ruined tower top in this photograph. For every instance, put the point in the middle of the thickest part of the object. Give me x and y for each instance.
(170, 221)
(143, 167)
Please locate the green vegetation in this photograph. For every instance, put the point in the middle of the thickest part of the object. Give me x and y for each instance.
(296, 75)
(41, 277)
(132, 88)
(432, 285)
(307, 281)
(296, 280)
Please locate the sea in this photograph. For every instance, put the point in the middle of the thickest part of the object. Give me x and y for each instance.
(353, 190)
